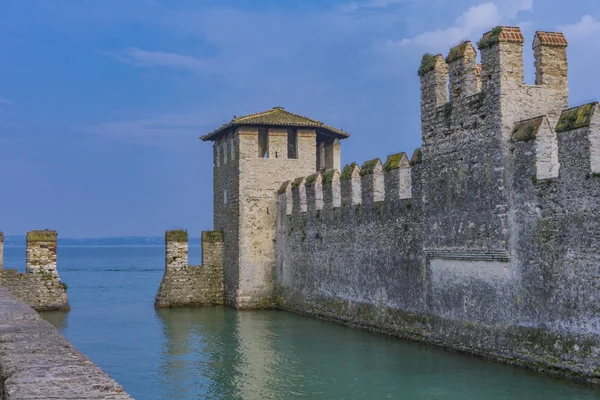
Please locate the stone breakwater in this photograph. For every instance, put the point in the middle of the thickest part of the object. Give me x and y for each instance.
(37, 362)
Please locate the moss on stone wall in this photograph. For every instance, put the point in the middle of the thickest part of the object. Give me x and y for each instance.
(41, 236)
(212, 236)
(393, 161)
(417, 157)
(457, 51)
(348, 170)
(311, 179)
(527, 130)
(297, 182)
(575, 118)
(328, 176)
(490, 39)
(284, 187)
(176, 236)
(368, 167)
(427, 64)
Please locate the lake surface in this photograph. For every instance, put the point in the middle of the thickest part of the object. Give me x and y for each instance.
(218, 353)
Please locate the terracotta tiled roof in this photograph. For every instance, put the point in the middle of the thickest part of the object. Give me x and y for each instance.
(277, 117)
(511, 34)
(550, 39)
(501, 34)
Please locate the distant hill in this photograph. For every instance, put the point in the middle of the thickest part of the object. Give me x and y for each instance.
(18, 240)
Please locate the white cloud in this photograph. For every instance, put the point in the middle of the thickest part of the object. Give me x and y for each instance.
(586, 27)
(146, 58)
(476, 19)
(5, 101)
(510, 8)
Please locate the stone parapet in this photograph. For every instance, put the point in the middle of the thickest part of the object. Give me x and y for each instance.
(36, 362)
(40, 287)
(185, 285)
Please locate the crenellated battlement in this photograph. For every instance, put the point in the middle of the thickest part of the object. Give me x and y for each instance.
(374, 182)
(493, 92)
(484, 240)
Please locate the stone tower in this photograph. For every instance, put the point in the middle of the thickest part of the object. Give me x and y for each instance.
(253, 155)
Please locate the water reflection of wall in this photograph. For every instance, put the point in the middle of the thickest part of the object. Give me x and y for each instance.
(217, 353)
(58, 319)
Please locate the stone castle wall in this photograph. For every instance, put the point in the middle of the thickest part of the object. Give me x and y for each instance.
(40, 286)
(486, 241)
(184, 285)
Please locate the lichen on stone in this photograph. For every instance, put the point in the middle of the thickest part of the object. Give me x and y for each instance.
(368, 167)
(576, 117)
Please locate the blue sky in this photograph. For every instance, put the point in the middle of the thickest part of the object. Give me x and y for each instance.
(102, 102)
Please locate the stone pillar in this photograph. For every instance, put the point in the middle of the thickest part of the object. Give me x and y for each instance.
(332, 155)
(550, 54)
(434, 83)
(41, 252)
(176, 250)
(502, 60)
(212, 249)
(320, 156)
(462, 69)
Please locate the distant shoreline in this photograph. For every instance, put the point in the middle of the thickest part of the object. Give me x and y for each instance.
(19, 241)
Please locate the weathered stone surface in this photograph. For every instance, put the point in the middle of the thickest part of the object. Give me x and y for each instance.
(495, 252)
(40, 291)
(40, 286)
(36, 362)
(184, 285)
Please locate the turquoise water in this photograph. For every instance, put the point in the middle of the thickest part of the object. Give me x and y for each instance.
(218, 353)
